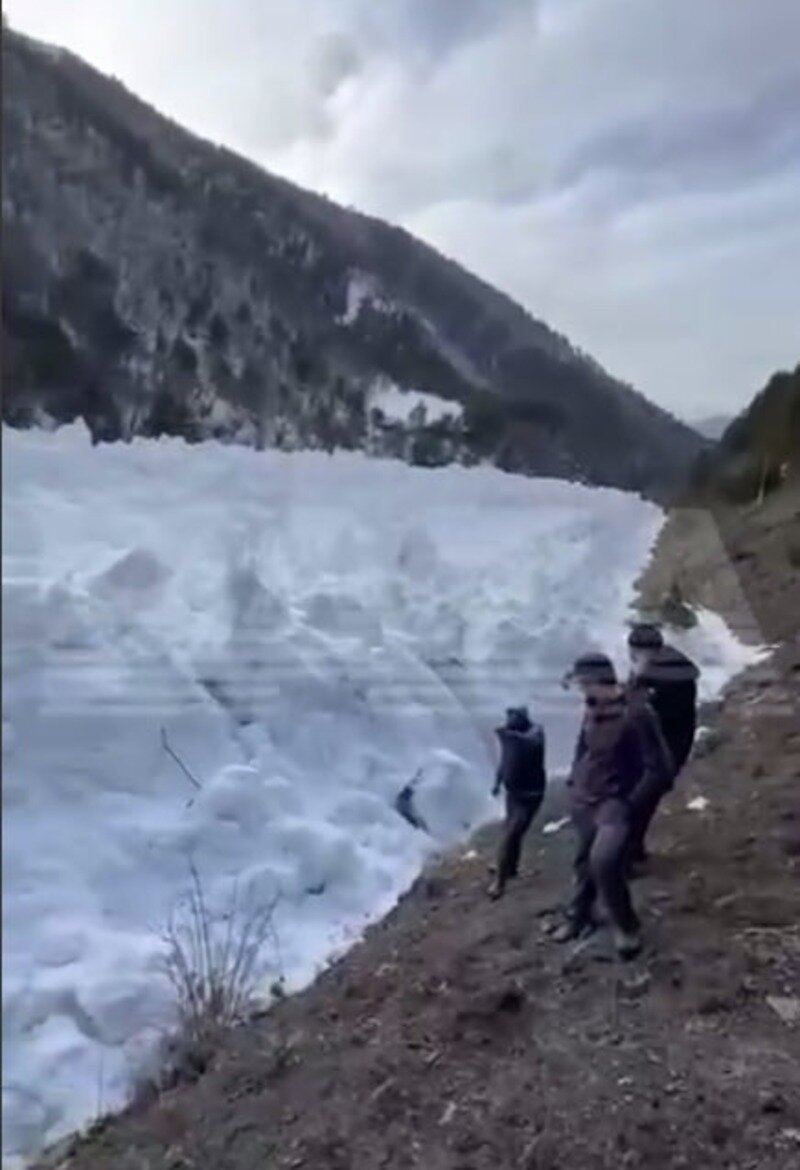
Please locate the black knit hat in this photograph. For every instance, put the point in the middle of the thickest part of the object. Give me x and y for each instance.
(645, 636)
(517, 715)
(593, 668)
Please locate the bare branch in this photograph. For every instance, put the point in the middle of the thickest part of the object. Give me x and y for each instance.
(170, 752)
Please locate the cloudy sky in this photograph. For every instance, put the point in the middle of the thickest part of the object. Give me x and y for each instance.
(628, 169)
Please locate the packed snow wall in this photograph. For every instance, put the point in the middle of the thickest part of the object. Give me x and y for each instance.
(298, 635)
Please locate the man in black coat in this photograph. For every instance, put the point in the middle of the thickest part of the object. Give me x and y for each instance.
(667, 679)
(521, 774)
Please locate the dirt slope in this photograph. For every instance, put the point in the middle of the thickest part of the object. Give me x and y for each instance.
(743, 563)
(459, 1037)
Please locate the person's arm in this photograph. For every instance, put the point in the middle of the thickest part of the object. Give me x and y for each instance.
(500, 771)
(535, 761)
(580, 751)
(686, 726)
(691, 715)
(680, 720)
(658, 764)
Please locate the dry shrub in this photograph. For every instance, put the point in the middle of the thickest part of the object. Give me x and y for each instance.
(214, 964)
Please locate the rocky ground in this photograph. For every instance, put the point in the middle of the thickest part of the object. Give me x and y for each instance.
(458, 1036)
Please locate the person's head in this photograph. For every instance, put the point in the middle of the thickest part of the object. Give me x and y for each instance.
(517, 718)
(594, 675)
(644, 641)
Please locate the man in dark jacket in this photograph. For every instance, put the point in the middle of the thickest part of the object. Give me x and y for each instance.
(667, 680)
(521, 773)
(620, 749)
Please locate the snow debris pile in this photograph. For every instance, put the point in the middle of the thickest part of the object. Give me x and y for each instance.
(301, 635)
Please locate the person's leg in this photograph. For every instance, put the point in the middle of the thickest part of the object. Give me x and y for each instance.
(580, 914)
(519, 815)
(608, 863)
(682, 748)
(505, 856)
(643, 808)
(516, 830)
(524, 812)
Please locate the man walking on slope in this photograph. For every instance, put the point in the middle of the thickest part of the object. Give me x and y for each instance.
(667, 680)
(620, 751)
(522, 774)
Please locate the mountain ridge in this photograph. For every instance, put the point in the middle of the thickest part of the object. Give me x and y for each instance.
(759, 450)
(156, 283)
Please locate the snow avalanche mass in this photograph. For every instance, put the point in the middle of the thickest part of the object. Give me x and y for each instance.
(302, 635)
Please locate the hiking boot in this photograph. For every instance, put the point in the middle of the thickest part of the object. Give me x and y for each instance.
(628, 943)
(572, 931)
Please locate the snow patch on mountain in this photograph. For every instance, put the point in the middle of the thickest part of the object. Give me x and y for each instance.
(363, 289)
(397, 404)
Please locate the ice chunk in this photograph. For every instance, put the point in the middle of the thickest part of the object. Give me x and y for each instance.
(445, 798)
(337, 613)
(137, 576)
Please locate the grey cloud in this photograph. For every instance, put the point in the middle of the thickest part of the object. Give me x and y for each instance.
(701, 147)
(629, 169)
(336, 60)
(691, 296)
(436, 27)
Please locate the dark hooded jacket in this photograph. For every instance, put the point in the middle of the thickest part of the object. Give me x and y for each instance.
(669, 681)
(619, 749)
(522, 770)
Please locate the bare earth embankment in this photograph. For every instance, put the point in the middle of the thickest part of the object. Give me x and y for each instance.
(459, 1037)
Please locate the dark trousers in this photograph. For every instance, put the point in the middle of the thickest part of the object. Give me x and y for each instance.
(646, 799)
(603, 835)
(520, 811)
(644, 805)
